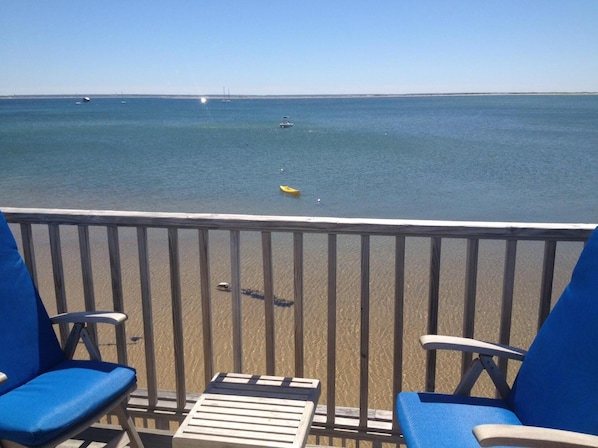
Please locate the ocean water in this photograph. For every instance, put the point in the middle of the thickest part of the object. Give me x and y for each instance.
(499, 158)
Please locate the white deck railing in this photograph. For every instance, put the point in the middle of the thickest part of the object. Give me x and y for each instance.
(58, 245)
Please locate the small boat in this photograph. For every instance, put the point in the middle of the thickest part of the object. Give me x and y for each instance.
(285, 123)
(86, 99)
(223, 286)
(288, 190)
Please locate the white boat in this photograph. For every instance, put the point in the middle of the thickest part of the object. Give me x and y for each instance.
(86, 99)
(285, 123)
(225, 98)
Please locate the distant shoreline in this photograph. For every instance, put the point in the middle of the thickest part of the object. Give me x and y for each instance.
(306, 96)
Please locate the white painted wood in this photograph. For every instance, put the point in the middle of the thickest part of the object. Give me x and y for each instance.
(240, 410)
(528, 436)
(105, 317)
(407, 227)
(435, 342)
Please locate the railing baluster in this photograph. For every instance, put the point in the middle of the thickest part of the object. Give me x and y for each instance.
(364, 331)
(547, 278)
(148, 316)
(29, 250)
(507, 299)
(117, 290)
(206, 307)
(433, 310)
(268, 302)
(399, 304)
(331, 340)
(235, 261)
(86, 272)
(471, 277)
(298, 282)
(177, 316)
(58, 271)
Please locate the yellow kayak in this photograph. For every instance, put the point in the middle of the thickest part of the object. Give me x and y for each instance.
(288, 190)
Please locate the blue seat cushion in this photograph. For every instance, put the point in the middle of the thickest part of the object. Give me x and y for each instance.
(435, 420)
(68, 394)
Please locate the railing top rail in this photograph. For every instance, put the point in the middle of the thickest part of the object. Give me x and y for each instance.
(405, 227)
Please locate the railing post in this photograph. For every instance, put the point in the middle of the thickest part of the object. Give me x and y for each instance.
(471, 276)
(331, 340)
(206, 307)
(58, 270)
(298, 281)
(434, 293)
(86, 272)
(117, 290)
(507, 299)
(399, 306)
(268, 302)
(235, 261)
(547, 278)
(29, 251)
(177, 316)
(148, 316)
(364, 332)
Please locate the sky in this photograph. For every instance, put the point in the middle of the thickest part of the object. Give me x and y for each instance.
(302, 47)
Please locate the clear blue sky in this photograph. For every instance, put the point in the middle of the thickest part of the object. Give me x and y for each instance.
(268, 47)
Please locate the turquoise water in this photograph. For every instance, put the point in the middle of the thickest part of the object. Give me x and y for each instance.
(506, 158)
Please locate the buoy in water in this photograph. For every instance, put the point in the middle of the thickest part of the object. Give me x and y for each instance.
(223, 286)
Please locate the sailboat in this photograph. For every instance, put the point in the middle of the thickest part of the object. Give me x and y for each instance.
(225, 99)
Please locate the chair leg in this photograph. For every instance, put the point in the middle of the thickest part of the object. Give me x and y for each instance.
(126, 421)
(497, 376)
(470, 377)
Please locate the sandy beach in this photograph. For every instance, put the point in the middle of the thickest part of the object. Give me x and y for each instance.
(489, 289)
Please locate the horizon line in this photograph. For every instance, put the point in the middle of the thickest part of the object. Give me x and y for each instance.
(287, 96)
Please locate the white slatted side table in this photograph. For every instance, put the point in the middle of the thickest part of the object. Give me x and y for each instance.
(240, 410)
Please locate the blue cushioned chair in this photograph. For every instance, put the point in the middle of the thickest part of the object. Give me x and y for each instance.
(46, 397)
(554, 399)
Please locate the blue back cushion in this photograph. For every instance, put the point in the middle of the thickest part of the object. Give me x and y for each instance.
(28, 344)
(557, 385)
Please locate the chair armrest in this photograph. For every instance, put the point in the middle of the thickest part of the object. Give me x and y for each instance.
(85, 317)
(531, 436)
(3, 378)
(79, 329)
(434, 342)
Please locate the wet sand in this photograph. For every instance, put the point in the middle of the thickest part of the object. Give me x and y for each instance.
(489, 293)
